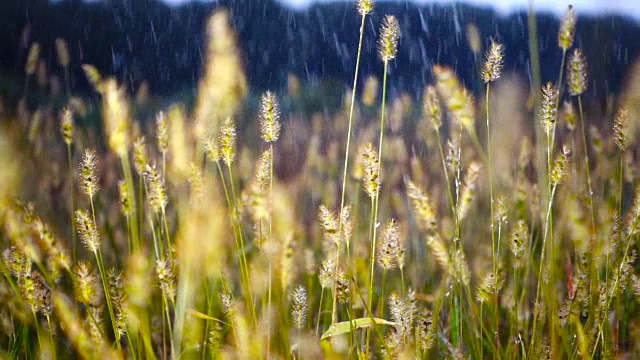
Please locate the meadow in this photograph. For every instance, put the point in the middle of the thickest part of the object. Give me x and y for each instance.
(483, 222)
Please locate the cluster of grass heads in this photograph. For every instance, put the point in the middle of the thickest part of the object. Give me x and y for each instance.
(189, 237)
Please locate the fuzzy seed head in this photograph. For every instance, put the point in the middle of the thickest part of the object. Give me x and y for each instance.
(560, 165)
(66, 126)
(211, 149)
(93, 76)
(269, 117)
(116, 116)
(86, 289)
(125, 202)
(140, 159)
(577, 73)
(371, 165)
(326, 273)
(488, 286)
(227, 140)
(621, 129)
(365, 7)
(422, 206)
(519, 243)
(493, 63)
(88, 173)
(432, 109)
(567, 29)
(549, 111)
(87, 231)
(118, 299)
(299, 307)
(166, 278)
(390, 252)
(158, 199)
(469, 190)
(32, 59)
(196, 183)
(389, 36)
(62, 52)
(162, 132)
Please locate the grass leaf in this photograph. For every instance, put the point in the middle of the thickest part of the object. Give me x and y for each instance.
(344, 327)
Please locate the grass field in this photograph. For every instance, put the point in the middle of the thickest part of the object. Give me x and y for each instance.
(500, 224)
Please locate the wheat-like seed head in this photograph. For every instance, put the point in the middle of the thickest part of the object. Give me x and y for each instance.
(577, 73)
(166, 278)
(559, 169)
(390, 251)
(157, 195)
(140, 159)
(87, 231)
(468, 192)
(93, 75)
(371, 165)
(196, 183)
(162, 132)
(116, 116)
(88, 174)
(227, 140)
(621, 129)
(422, 206)
(567, 29)
(365, 7)
(118, 300)
(66, 126)
(473, 38)
(32, 59)
(299, 307)
(458, 100)
(548, 110)
(493, 63)
(269, 117)
(519, 243)
(62, 52)
(389, 36)
(326, 273)
(211, 149)
(431, 106)
(125, 202)
(569, 115)
(87, 290)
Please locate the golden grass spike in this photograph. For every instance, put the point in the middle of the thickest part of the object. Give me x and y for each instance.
(32, 59)
(224, 84)
(577, 73)
(62, 52)
(269, 117)
(365, 7)
(389, 36)
(549, 110)
(93, 75)
(567, 29)
(494, 61)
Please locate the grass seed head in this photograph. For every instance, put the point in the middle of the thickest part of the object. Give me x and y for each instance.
(494, 61)
(390, 251)
(549, 110)
(621, 129)
(299, 307)
(389, 36)
(66, 126)
(269, 117)
(365, 7)
(87, 231)
(371, 165)
(116, 116)
(32, 59)
(560, 165)
(62, 53)
(88, 174)
(577, 73)
(567, 29)
(211, 149)
(326, 273)
(157, 196)
(227, 140)
(431, 106)
(162, 132)
(140, 159)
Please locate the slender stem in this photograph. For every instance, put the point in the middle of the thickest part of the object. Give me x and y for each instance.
(543, 251)
(491, 216)
(588, 170)
(319, 311)
(73, 223)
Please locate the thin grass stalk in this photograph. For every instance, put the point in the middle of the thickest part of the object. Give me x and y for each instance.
(491, 215)
(73, 206)
(542, 258)
(126, 167)
(588, 170)
(35, 322)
